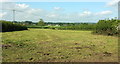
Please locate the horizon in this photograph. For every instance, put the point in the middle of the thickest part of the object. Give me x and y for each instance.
(58, 11)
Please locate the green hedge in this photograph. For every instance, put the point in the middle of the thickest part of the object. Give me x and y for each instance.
(10, 26)
(73, 27)
(78, 27)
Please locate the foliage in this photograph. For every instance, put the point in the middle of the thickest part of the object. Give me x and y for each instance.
(79, 27)
(10, 26)
(109, 27)
(41, 22)
(66, 26)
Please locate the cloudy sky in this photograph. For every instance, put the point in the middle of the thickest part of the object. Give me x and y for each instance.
(59, 11)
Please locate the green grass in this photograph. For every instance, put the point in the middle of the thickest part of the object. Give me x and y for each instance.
(46, 45)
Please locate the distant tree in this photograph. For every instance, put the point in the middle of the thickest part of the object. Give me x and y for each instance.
(41, 22)
(15, 22)
(28, 22)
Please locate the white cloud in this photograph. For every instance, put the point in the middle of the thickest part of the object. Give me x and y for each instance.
(35, 11)
(5, 0)
(35, 14)
(113, 3)
(2, 14)
(52, 15)
(23, 12)
(22, 5)
(86, 13)
(104, 13)
(55, 0)
(57, 8)
(11, 6)
(84, 16)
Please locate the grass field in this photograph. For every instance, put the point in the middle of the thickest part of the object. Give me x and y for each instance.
(46, 45)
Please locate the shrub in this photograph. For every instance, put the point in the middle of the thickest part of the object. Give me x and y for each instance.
(107, 27)
(10, 26)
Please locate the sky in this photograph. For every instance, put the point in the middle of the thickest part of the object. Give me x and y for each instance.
(59, 11)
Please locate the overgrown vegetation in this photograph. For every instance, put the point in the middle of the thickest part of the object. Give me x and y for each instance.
(109, 27)
(10, 26)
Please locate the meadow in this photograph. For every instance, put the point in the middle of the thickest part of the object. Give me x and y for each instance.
(47, 45)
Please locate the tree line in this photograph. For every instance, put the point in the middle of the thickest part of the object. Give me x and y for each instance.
(109, 26)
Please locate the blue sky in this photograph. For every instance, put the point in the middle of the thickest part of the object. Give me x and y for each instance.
(70, 6)
(60, 11)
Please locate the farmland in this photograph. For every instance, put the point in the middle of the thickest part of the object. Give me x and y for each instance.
(47, 45)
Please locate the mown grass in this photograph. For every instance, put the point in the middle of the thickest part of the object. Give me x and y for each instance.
(47, 45)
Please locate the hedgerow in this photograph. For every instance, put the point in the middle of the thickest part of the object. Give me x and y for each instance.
(79, 27)
(10, 26)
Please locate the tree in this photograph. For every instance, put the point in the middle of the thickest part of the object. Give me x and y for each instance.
(28, 22)
(41, 22)
(107, 26)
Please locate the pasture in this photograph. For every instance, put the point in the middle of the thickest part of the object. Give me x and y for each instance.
(47, 45)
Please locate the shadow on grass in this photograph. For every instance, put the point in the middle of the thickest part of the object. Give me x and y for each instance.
(13, 31)
(105, 34)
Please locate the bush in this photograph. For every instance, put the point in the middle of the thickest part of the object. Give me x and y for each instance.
(108, 27)
(10, 26)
